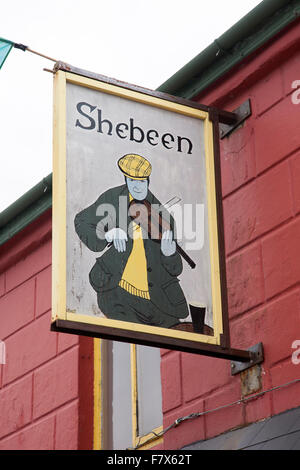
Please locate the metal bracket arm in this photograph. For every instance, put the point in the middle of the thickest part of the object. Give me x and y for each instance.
(256, 355)
(230, 121)
(227, 118)
(247, 358)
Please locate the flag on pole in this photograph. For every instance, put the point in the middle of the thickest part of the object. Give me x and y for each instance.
(5, 48)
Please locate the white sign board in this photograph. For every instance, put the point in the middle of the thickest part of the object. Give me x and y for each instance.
(136, 235)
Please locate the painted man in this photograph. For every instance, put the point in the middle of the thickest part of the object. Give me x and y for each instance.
(136, 278)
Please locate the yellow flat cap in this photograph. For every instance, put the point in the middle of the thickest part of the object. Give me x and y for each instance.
(135, 166)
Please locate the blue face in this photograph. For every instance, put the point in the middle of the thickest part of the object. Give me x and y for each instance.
(137, 188)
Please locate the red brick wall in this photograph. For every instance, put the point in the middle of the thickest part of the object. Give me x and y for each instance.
(40, 389)
(260, 165)
(48, 377)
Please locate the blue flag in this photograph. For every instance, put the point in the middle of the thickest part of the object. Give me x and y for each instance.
(5, 47)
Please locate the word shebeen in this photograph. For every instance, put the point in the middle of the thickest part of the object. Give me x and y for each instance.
(128, 130)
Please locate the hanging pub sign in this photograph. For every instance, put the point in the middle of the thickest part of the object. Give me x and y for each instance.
(138, 250)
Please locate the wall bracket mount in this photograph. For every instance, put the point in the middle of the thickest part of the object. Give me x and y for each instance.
(240, 114)
(256, 357)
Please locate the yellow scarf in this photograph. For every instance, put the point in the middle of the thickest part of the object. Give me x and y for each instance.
(134, 278)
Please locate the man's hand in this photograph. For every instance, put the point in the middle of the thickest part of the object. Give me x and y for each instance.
(168, 245)
(118, 237)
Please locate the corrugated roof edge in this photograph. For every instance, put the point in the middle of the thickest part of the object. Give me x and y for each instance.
(248, 34)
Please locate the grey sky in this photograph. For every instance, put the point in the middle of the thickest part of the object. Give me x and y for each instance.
(143, 42)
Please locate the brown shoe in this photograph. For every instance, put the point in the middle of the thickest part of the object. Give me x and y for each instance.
(184, 326)
(188, 326)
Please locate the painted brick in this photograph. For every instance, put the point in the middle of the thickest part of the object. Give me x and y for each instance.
(245, 76)
(283, 317)
(15, 406)
(158, 447)
(26, 241)
(28, 348)
(201, 375)
(268, 91)
(16, 309)
(276, 134)
(280, 251)
(260, 407)
(66, 431)
(227, 418)
(188, 431)
(290, 72)
(237, 158)
(34, 262)
(163, 352)
(250, 329)
(245, 281)
(289, 396)
(258, 207)
(55, 383)
(66, 341)
(274, 325)
(295, 171)
(171, 381)
(39, 436)
(85, 389)
(43, 291)
(2, 284)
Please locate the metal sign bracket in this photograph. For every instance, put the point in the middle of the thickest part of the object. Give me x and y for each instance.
(256, 357)
(239, 115)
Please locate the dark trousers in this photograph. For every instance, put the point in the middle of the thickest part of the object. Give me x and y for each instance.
(118, 304)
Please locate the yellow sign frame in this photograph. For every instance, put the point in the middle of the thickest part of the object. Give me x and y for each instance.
(64, 320)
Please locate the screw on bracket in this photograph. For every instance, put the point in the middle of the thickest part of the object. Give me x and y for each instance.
(257, 357)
